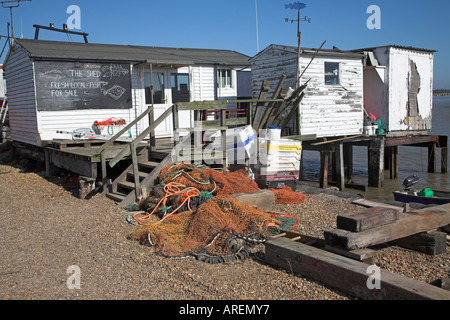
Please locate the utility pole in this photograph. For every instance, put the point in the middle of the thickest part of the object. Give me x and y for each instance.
(10, 4)
(298, 6)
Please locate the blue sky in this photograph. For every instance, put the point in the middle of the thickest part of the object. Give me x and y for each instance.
(231, 24)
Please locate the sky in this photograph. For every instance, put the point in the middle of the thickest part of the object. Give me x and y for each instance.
(245, 26)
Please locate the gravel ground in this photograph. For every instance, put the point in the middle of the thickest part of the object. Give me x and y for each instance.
(45, 230)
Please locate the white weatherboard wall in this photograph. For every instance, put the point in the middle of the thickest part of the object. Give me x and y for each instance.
(31, 126)
(21, 97)
(388, 89)
(326, 110)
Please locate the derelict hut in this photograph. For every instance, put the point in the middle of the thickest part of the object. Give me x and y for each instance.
(333, 101)
(398, 88)
(332, 105)
(56, 88)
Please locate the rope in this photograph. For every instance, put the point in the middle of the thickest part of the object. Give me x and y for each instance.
(172, 189)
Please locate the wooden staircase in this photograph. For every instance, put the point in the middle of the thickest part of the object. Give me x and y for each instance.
(133, 183)
(122, 188)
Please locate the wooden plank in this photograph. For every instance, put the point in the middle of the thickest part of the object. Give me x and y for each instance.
(432, 243)
(264, 92)
(346, 274)
(371, 204)
(408, 224)
(363, 255)
(263, 200)
(271, 105)
(367, 219)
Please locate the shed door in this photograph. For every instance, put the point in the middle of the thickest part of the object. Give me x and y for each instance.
(161, 99)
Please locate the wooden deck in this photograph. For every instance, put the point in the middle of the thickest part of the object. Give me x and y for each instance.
(80, 156)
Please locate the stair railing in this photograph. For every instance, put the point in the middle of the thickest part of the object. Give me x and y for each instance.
(222, 124)
(130, 148)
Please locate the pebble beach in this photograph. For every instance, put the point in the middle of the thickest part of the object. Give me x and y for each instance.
(45, 230)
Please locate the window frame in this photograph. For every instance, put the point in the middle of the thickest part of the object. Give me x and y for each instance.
(338, 76)
(220, 77)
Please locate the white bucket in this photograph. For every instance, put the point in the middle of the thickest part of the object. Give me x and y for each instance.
(273, 133)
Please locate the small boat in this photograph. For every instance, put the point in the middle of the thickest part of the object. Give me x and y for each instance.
(426, 196)
(439, 197)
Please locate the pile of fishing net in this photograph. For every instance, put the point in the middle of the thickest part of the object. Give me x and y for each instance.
(217, 182)
(220, 230)
(190, 212)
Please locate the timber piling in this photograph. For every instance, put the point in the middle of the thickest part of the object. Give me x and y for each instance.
(336, 156)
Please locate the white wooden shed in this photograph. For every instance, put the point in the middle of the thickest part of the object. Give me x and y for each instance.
(63, 86)
(333, 101)
(398, 87)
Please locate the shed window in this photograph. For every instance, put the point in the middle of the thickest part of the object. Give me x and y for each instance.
(179, 83)
(225, 78)
(332, 73)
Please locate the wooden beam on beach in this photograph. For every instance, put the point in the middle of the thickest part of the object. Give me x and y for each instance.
(432, 243)
(367, 219)
(345, 274)
(409, 223)
(263, 200)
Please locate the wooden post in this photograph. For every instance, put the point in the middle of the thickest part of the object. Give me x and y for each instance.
(105, 179)
(444, 154)
(432, 157)
(376, 162)
(348, 160)
(339, 156)
(324, 160)
(137, 183)
(175, 120)
(223, 113)
(391, 161)
(443, 144)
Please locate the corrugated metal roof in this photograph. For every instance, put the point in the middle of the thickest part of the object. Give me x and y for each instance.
(312, 51)
(44, 49)
(394, 46)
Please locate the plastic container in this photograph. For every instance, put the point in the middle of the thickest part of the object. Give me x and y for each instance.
(273, 133)
(426, 193)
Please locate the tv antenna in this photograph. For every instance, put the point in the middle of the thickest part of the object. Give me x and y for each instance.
(10, 4)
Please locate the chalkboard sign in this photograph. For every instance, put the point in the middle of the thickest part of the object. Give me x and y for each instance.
(78, 86)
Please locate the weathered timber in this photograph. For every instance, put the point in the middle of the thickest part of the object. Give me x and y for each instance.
(259, 112)
(372, 204)
(364, 255)
(432, 243)
(367, 219)
(408, 224)
(376, 163)
(346, 274)
(149, 181)
(263, 200)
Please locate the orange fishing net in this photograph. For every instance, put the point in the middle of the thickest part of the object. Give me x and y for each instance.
(195, 215)
(286, 195)
(210, 229)
(208, 179)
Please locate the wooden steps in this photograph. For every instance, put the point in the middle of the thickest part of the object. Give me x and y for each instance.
(124, 184)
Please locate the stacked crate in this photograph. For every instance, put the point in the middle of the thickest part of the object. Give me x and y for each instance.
(278, 163)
